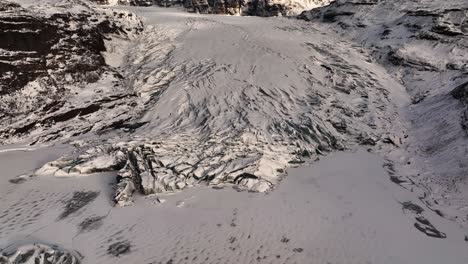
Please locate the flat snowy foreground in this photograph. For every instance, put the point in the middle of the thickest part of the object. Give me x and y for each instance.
(342, 209)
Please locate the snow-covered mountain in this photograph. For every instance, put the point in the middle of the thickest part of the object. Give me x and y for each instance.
(249, 7)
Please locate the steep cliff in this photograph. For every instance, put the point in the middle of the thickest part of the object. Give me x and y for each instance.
(51, 60)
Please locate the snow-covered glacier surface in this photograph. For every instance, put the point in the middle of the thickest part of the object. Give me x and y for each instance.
(238, 108)
(167, 110)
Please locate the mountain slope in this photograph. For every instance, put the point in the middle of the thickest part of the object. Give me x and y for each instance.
(424, 45)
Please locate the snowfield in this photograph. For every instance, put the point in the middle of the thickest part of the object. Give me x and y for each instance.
(342, 209)
(185, 138)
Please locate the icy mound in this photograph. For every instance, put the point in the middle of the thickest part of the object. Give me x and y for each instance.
(39, 253)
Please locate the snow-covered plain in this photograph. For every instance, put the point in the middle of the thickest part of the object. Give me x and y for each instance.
(341, 209)
(221, 101)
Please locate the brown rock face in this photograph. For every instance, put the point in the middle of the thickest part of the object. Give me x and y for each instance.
(23, 36)
(231, 7)
(32, 45)
(126, 2)
(43, 56)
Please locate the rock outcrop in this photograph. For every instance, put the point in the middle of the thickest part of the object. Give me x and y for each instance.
(461, 93)
(47, 59)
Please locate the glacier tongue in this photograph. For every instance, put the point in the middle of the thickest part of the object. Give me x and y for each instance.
(264, 94)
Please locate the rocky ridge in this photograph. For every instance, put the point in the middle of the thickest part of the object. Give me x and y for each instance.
(231, 7)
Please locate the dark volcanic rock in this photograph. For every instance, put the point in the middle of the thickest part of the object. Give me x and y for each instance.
(33, 44)
(461, 92)
(412, 207)
(427, 228)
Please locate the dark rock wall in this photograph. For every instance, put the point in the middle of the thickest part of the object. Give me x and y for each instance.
(57, 51)
(231, 7)
(33, 45)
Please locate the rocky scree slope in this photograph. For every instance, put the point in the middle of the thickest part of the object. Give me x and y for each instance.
(424, 45)
(54, 80)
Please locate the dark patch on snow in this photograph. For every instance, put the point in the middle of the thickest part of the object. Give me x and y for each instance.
(17, 180)
(91, 223)
(397, 180)
(119, 248)
(78, 201)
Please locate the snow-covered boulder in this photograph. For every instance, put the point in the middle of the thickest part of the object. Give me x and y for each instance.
(39, 253)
